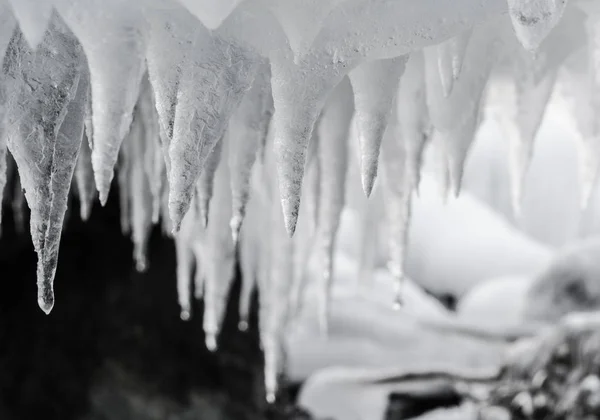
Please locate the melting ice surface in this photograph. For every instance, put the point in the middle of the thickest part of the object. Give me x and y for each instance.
(212, 112)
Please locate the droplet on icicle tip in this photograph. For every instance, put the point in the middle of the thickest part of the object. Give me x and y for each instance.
(271, 397)
(185, 315)
(211, 342)
(243, 325)
(141, 264)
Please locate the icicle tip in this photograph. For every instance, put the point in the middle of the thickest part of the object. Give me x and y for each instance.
(243, 325)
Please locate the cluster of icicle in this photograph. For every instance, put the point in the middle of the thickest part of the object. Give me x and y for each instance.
(214, 110)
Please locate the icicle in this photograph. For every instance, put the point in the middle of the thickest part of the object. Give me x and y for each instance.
(298, 101)
(123, 174)
(274, 299)
(217, 255)
(33, 17)
(412, 113)
(397, 195)
(483, 51)
(450, 58)
(185, 267)
(110, 32)
(248, 129)
(534, 19)
(457, 142)
(152, 151)
(375, 86)
(45, 136)
(252, 244)
(333, 131)
(84, 179)
(532, 99)
(204, 187)
(214, 80)
(170, 38)
(140, 195)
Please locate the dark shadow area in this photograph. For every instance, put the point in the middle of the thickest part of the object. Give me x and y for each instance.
(110, 325)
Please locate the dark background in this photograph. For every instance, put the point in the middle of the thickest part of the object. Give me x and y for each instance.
(112, 331)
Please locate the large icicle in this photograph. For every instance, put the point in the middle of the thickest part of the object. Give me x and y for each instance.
(274, 299)
(397, 195)
(534, 19)
(333, 131)
(375, 85)
(84, 180)
(45, 129)
(170, 38)
(215, 78)
(33, 17)
(248, 129)
(412, 111)
(111, 34)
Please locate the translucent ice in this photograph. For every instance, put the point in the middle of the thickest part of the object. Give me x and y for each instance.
(45, 129)
(333, 160)
(214, 79)
(204, 187)
(375, 85)
(111, 34)
(247, 132)
(84, 179)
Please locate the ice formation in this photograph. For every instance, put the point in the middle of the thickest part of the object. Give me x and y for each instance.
(219, 116)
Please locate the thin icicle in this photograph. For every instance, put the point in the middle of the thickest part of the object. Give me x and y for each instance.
(375, 85)
(45, 123)
(185, 267)
(33, 17)
(170, 38)
(111, 35)
(450, 59)
(532, 99)
(84, 180)
(534, 19)
(140, 195)
(333, 129)
(313, 181)
(248, 129)
(457, 142)
(152, 150)
(18, 206)
(123, 174)
(214, 80)
(205, 185)
(397, 196)
(413, 116)
(216, 252)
